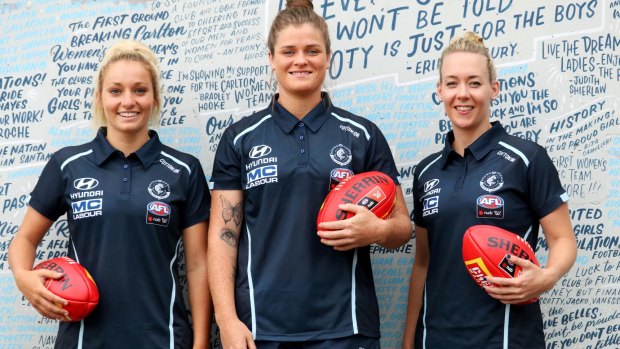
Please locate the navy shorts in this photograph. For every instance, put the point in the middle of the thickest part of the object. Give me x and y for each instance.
(353, 342)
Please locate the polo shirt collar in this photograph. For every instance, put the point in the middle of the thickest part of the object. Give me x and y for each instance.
(487, 141)
(151, 150)
(147, 154)
(102, 149)
(481, 146)
(314, 119)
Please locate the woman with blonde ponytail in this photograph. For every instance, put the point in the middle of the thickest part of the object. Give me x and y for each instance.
(479, 162)
(277, 282)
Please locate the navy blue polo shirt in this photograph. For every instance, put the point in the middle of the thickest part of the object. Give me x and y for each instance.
(503, 181)
(289, 286)
(126, 216)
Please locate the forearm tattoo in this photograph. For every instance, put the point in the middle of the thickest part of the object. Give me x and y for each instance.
(229, 237)
(230, 212)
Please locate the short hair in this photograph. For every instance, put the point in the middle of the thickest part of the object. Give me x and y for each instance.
(129, 50)
(472, 43)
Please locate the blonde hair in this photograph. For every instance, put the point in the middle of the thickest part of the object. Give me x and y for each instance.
(472, 43)
(131, 51)
(298, 12)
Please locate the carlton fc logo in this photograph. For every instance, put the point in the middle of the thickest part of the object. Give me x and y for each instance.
(492, 181)
(159, 189)
(85, 183)
(259, 151)
(341, 155)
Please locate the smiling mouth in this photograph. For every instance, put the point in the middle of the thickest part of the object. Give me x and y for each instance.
(464, 108)
(300, 73)
(128, 114)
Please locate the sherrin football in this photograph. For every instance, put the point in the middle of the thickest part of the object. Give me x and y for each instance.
(76, 286)
(374, 190)
(485, 248)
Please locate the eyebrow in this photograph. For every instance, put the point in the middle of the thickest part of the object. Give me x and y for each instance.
(469, 77)
(295, 46)
(135, 84)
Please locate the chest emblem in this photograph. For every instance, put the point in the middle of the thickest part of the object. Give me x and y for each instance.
(259, 151)
(159, 189)
(85, 183)
(492, 181)
(337, 175)
(341, 155)
(158, 213)
(87, 208)
(262, 169)
(489, 206)
(262, 175)
(430, 184)
(430, 205)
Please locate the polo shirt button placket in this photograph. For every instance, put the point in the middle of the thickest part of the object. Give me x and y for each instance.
(303, 158)
(125, 177)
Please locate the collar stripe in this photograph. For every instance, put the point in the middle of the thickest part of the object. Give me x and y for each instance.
(429, 165)
(250, 129)
(74, 157)
(518, 152)
(353, 123)
(177, 161)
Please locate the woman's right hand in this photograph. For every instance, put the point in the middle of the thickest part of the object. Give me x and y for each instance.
(234, 334)
(31, 283)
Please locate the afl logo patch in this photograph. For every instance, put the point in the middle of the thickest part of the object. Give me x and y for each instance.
(159, 208)
(341, 155)
(158, 213)
(337, 175)
(259, 151)
(490, 206)
(492, 181)
(85, 183)
(159, 189)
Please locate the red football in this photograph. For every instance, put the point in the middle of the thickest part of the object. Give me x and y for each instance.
(76, 286)
(485, 248)
(374, 190)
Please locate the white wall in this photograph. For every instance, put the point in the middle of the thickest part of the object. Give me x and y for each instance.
(559, 62)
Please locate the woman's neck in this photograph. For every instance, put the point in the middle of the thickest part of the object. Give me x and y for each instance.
(127, 143)
(463, 138)
(299, 106)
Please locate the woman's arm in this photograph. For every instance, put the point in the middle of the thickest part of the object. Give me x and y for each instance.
(224, 230)
(195, 247)
(21, 258)
(416, 285)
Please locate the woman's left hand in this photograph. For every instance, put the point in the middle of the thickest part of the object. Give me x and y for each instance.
(360, 230)
(532, 282)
